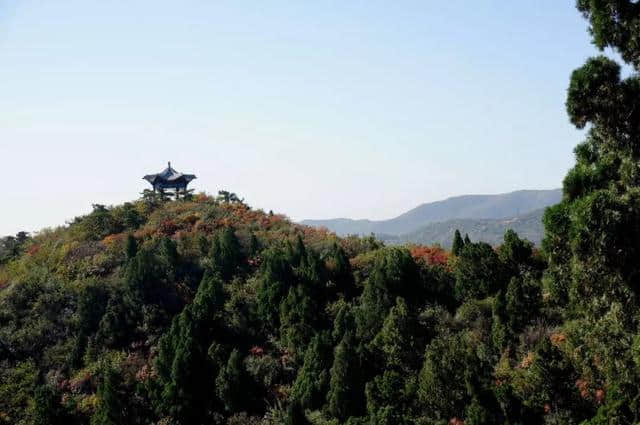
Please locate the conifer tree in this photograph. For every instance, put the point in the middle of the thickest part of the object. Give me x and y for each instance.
(394, 274)
(131, 247)
(340, 271)
(47, 408)
(343, 323)
(387, 399)
(593, 236)
(345, 387)
(110, 409)
(300, 249)
(312, 381)
(169, 258)
(479, 272)
(499, 331)
(226, 253)
(298, 315)
(254, 245)
(442, 390)
(458, 243)
(186, 373)
(395, 339)
(230, 383)
(275, 281)
(295, 415)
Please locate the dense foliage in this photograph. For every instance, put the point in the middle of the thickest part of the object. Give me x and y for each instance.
(204, 311)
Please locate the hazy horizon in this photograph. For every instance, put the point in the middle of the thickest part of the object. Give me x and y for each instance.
(356, 110)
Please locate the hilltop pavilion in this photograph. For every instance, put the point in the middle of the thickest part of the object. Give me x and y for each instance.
(169, 179)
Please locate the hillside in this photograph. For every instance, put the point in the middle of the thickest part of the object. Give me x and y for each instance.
(507, 205)
(491, 231)
(206, 311)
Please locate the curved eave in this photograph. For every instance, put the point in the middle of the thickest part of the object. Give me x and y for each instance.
(177, 178)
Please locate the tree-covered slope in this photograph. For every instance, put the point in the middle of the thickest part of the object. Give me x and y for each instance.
(475, 207)
(205, 311)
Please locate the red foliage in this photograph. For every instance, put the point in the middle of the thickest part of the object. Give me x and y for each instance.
(456, 421)
(583, 387)
(432, 255)
(113, 239)
(201, 198)
(81, 384)
(558, 338)
(191, 219)
(145, 373)
(257, 351)
(33, 249)
(168, 227)
(205, 227)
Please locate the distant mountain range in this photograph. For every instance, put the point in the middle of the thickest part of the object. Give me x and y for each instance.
(483, 217)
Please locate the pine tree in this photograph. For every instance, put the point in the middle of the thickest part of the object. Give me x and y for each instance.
(186, 372)
(499, 331)
(592, 237)
(254, 245)
(226, 254)
(345, 386)
(395, 274)
(131, 247)
(169, 258)
(479, 272)
(343, 323)
(110, 409)
(387, 399)
(340, 271)
(312, 382)
(298, 316)
(442, 391)
(47, 408)
(395, 339)
(275, 280)
(230, 383)
(458, 243)
(295, 415)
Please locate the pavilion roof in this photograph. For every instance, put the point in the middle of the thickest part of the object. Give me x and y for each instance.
(168, 175)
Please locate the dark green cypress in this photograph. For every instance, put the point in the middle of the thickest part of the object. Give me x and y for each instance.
(458, 243)
(131, 247)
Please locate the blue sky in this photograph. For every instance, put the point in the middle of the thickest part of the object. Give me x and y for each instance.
(313, 109)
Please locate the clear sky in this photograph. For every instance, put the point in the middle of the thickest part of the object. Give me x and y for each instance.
(314, 109)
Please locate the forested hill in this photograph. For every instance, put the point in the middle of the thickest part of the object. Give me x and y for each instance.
(206, 311)
(502, 206)
(491, 231)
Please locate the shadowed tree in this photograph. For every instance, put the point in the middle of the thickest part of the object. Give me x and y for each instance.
(458, 243)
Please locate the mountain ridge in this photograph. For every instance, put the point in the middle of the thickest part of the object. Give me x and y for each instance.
(528, 226)
(493, 206)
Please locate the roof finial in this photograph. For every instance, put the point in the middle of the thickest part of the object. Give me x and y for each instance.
(169, 164)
